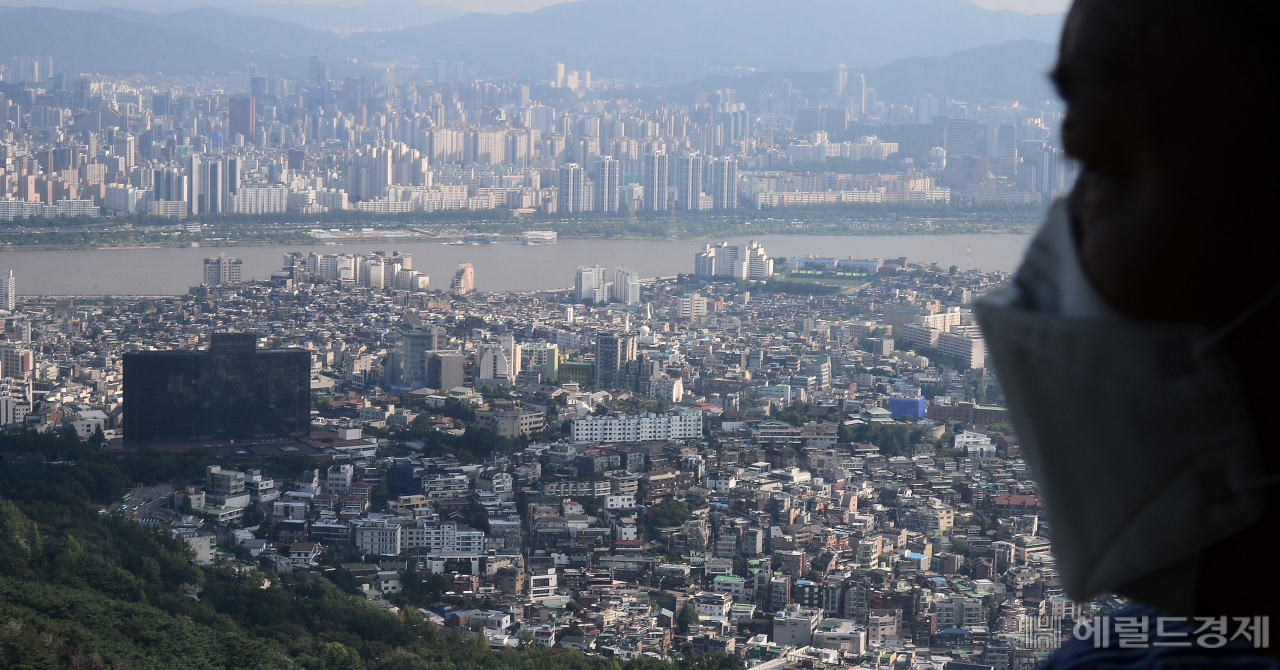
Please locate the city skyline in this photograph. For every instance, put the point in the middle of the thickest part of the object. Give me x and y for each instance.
(707, 375)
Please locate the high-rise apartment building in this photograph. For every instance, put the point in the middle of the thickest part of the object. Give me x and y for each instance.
(235, 174)
(725, 260)
(213, 186)
(589, 284)
(464, 280)
(607, 183)
(195, 182)
(656, 166)
(569, 198)
(613, 352)
(416, 345)
(965, 137)
(8, 292)
(626, 286)
(230, 391)
(494, 365)
(15, 362)
(445, 370)
(856, 90)
(318, 72)
(242, 118)
(724, 183)
(27, 68)
(169, 185)
(512, 351)
(126, 148)
(222, 270)
(927, 107)
(689, 181)
(692, 306)
(541, 357)
(371, 174)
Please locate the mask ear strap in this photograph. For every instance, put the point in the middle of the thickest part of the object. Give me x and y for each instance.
(1219, 336)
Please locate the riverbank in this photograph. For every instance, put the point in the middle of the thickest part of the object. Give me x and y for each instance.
(241, 232)
(502, 266)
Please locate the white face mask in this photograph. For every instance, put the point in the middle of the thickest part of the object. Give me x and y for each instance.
(1137, 433)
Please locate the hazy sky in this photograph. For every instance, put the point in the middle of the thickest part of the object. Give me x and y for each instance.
(1026, 6)
(497, 6)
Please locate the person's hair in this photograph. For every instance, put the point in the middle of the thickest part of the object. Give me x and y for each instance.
(1176, 62)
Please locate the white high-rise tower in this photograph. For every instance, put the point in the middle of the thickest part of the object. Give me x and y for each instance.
(8, 292)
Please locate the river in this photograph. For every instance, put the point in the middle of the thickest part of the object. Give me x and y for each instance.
(505, 266)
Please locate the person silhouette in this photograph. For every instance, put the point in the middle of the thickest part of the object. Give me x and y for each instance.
(1132, 343)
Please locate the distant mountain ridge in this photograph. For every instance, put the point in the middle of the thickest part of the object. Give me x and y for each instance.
(1015, 70)
(938, 46)
(114, 41)
(96, 42)
(618, 38)
(369, 15)
(251, 34)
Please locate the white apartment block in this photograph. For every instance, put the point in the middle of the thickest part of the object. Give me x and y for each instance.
(684, 424)
(971, 349)
(842, 635)
(377, 536)
(958, 612)
(626, 286)
(711, 604)
(667, 389)
(575, 489)
(447, 539)
(589, 284)
(445, 486)
(542, 585)
(794, 626)
(724, 260)
(338, 479)
(620, 501)
(721, 482)
(260, 200)
(692, 306)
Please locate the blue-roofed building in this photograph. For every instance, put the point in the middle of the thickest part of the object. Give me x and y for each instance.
(914, 407)
(919, 561)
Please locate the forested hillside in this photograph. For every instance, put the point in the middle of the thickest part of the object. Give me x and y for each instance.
(82, 590)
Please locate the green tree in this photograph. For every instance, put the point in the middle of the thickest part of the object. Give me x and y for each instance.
(688, 617)
(669, 514)
(478, 517)
(253, 515)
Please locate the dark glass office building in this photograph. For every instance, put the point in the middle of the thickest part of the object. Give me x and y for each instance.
(230, 391)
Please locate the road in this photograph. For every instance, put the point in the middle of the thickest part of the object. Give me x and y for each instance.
(143, 501)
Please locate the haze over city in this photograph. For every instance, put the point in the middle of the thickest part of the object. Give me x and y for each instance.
(600, 335)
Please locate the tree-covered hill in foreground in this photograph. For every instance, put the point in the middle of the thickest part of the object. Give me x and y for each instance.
(87, 591)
